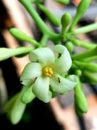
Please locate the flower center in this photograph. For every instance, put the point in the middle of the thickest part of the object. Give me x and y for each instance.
(48, 71)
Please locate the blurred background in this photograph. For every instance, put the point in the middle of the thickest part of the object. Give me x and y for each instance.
(59, 114)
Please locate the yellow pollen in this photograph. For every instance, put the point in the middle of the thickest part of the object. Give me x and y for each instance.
(47, 71)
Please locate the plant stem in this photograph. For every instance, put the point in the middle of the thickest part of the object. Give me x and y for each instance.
(43, 40)
(50, 15)
(85, 55)
(88, 59)
(82, 43)
(92, 76)
(92, 67)
(40, 23)
(81, 9)
(85, 29)
(27, 4)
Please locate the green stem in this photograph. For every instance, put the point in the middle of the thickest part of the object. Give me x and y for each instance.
(27, 4)
(50, 15)
(85, 29)
(85, 55)
(42, 26)
(88, 59)
(43, 40)
(92, 67)
(70, 47)
(81, 9)
(92, 77)
(82, 43)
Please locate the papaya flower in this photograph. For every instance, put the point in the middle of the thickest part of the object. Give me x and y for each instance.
(46, 73)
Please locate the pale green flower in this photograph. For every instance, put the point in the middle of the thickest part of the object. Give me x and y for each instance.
(44, 73)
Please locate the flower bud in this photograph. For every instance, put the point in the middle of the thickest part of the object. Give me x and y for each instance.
(81, 105)
(81, 9)
(66, 21)
(15, 109)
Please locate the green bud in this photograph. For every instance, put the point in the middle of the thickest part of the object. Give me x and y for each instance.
(81, 105)
(27, 95)
(52, 17)
(15, 109)
(77, 110)
(19, 35)
(65, 21)
(78, 72)
(6, 53)
(81, 9)
(8, 105)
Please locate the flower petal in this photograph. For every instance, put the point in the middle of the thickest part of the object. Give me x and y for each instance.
(30, 73)
(43, 55)
(62, 85)
(41, 89)
(64, 62)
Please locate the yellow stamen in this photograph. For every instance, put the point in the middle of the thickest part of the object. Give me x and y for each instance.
(47, 71)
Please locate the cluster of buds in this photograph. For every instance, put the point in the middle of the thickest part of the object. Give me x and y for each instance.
(56, 70)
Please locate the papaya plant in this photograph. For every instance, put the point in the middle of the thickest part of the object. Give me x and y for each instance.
(56, 70)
